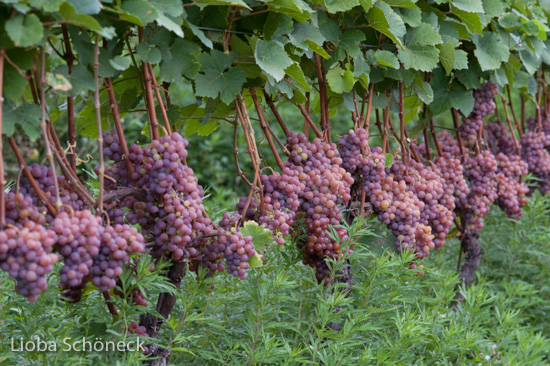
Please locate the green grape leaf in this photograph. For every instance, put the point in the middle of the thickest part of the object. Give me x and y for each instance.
(447, 57)
(46, 5)
(142, 9)
(387, 58)
(183, 61)
(423, 35)
(240, 3)
(335, 6)
(388, 160)
(24, 31)
(471, 20)
(407, 4)
(385, 20)
(70, 16)
(494, 8)
(490, 51)
(120, 62)
(87, 7)
(272, 58)
(218, 77)
(471, 6)
(412, 17)
(150, 54)
(297, 9)
(340, 80)
(461, 60)
(449, 94)
(296, 73)
(423, 90)
(26, 115)
(172, 7)
(261, 237)
(167, 22)
(422, 58)
(366, 4)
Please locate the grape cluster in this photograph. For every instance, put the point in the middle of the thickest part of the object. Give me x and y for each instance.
(20, 209)
(483, 106)
(117, 244)
(533, 124)
(480, 171)
(235, 249)
(499, 140)
(79, 241)
(535, 153)
(511, 191)
(426, 183)
(394, 194)
(26, 254)
(317, 165)
(45, 181)
(140, 331)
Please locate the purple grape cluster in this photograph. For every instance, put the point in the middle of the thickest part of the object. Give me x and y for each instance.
(326, 186)
(79, 240)
(394, 194)
(483, 106)
(511, 191)
(117, 244)
(499, 140)
(480, 171)
(26, 254)
(534, 147)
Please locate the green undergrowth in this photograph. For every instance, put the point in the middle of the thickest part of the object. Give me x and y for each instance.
(279, 315)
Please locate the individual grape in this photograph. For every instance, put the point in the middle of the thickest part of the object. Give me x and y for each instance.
(26, 254)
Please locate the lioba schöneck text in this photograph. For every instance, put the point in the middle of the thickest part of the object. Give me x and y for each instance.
(80, 345)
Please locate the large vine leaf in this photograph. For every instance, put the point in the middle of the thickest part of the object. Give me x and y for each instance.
(382, 18)
(218, 77)
(25, 30)
(272, 58)
(26, 115)
(340, 80)
(490, 51)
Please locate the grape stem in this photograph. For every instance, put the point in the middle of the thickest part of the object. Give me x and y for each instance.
(263, 125)
(71, 130)
(149, 102)
(509, 122)
(275, 112)
(366, 117)
(454, 113)
(322, 94)
(511, 105)
(306, 125)
(236, 154)
(45, 130)
(118, 125)
(159, 99)
(309, 121)
(97, 105)
(385, 142)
